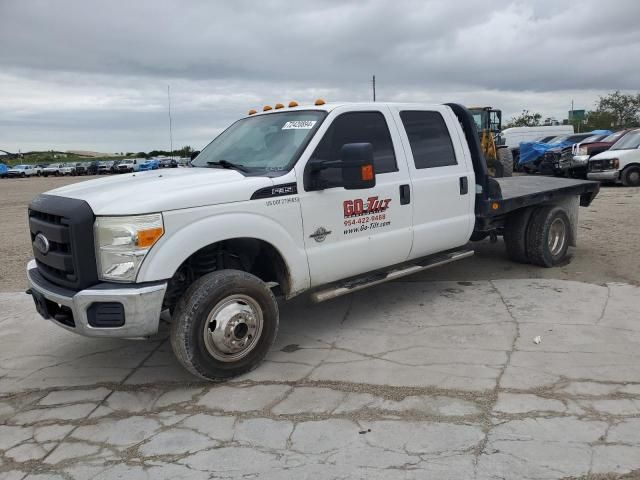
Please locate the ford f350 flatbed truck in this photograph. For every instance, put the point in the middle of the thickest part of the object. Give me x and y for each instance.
(329, 198)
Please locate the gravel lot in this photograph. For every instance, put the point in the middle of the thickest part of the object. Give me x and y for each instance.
(436, 376)
(607, 241)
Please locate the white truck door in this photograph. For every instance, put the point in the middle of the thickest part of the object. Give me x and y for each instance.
(443, 194)
(348, 232)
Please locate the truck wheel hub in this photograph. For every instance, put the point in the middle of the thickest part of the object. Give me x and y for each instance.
(233, 328)
(557, 236)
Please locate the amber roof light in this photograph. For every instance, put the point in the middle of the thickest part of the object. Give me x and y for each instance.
(319, 102)
(293, 103)
(252, 112)
(266, 108)
(279, 106)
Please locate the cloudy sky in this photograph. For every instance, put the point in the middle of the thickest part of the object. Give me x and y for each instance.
(93, 75)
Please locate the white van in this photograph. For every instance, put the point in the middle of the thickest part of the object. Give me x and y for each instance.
(516, 135)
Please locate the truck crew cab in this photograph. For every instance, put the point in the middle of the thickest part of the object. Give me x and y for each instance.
(328, 198)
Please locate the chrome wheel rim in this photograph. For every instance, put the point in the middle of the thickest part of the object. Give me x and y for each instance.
(233, 327)
(557, 236)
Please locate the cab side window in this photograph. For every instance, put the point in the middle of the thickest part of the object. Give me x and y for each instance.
(356, 127)
(429, 139)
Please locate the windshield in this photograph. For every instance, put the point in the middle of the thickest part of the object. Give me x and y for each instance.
(593, 138)
(614, 137)
(20, 167)
(263, 145)
(560, 139)
(630, 141)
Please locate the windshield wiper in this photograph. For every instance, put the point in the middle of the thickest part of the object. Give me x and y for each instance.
(227, 164)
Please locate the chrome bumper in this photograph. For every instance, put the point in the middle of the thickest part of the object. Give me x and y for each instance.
(580, 160)
(604, 176)
(141, 304)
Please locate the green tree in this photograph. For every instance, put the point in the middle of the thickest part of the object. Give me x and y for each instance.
(623, 108)
(525, 119)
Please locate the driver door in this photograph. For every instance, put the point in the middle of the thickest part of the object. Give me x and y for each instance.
(349, 232)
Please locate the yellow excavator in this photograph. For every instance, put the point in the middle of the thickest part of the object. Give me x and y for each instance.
(498, 156)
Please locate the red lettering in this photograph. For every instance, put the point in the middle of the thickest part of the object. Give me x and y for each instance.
(348, 208)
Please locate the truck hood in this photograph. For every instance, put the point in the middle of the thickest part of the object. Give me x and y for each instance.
(626, 154)
(158, 191)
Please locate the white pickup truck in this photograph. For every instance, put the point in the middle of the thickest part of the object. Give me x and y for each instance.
(328, 198)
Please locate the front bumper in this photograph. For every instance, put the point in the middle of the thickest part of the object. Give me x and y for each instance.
(580, 160)
(141, 305)
(604, 175)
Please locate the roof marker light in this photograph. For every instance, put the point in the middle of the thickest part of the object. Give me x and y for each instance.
(266, 108)
(293, 103)
(279, 106)
(319, 102)
(252, 112)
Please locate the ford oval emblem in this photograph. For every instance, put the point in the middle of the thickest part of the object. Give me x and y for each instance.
(42, 243)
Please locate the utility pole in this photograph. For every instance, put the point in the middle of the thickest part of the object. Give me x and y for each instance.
(170, 125)
(373, 83)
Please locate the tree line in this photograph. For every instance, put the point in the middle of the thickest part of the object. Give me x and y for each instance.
(614, 111)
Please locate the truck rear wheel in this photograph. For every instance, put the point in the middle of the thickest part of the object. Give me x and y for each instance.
(548, 236)
(515, 235)
(631, 176)
(505, 158)
(224, 324)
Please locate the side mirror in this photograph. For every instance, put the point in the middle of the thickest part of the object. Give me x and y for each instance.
(358, 171)
(195, 154)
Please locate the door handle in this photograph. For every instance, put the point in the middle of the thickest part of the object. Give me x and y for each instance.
(405, 194)
(464, 185)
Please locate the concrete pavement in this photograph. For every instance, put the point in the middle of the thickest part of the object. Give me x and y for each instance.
(405, 380)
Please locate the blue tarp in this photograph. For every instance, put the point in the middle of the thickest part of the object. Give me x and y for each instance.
(531, 151)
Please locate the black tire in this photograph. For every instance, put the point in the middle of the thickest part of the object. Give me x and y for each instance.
(538, 232)
(505, 158)
(515, 235)
(191, 316)
(631, 176)
(23, 175)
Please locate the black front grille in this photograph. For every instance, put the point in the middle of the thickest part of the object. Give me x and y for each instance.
(67, 225)
(595, 165)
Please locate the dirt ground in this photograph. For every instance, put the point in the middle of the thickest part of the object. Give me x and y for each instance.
(607, 241)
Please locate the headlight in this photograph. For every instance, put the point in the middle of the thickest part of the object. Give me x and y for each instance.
(123, 242)
(583, 151)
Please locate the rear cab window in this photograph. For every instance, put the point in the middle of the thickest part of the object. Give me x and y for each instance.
(429, 139)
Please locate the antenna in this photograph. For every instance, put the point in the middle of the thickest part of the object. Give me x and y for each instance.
(373, 84)
(170, 125)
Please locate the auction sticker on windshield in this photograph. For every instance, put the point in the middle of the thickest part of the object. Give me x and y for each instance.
(299, 125)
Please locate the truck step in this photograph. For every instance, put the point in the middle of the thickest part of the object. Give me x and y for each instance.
(359, 283)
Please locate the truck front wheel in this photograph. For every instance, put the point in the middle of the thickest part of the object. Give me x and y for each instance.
(224, 324)
(548, 236)
(631, 176)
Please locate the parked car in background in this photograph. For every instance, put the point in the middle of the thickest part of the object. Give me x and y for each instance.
(40, 168)
(575, 164)
(114, 167)
(80, 168)
(149, 164)
(53, 169)
(92, 167)
(548, 163)
(129, 165)
(68, 169)
(105, 167)
(22, 171)
(619, 164)
(3, 170)
(514, 136)
(168, 163)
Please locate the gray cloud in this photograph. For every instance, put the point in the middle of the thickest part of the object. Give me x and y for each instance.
(77, 74)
